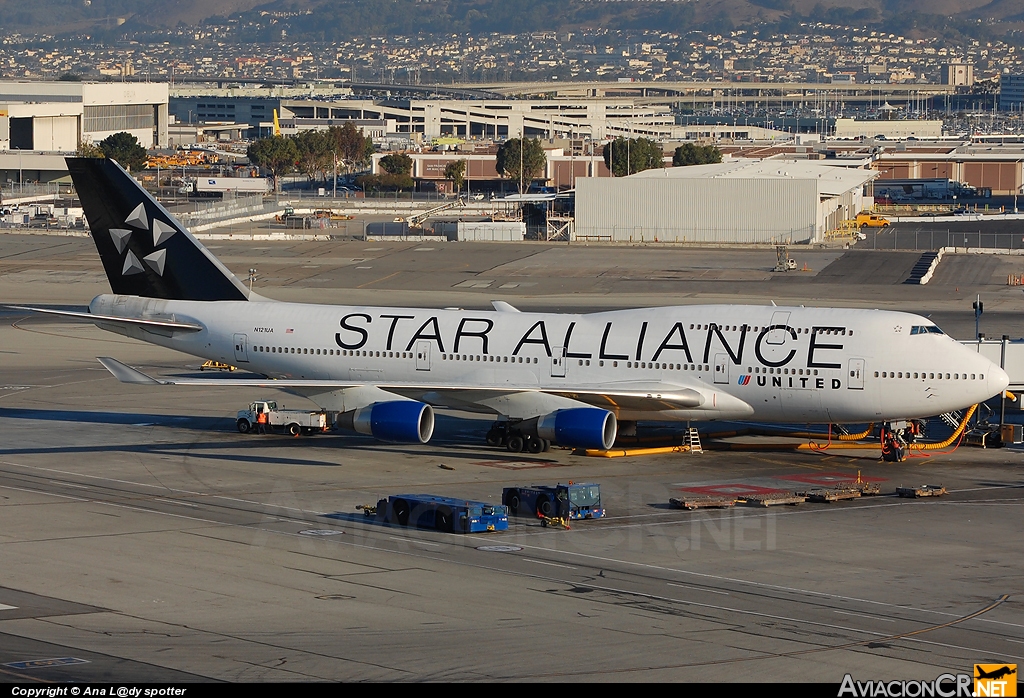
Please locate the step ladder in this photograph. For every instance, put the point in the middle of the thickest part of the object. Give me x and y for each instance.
(952, 419)
(693, 440)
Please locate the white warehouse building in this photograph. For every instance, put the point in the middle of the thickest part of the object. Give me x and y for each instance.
(763, 201)
(40, 122)
(57, 116)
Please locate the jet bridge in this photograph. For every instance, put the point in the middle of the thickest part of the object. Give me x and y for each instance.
(1006, 353)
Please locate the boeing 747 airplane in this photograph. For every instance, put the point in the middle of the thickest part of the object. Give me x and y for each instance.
(571, 379)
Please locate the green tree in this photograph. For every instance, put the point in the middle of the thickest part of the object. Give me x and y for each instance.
(628, 156)
(277, 155)
(386, 182)
(690, 154)
(521, 160)
(88, 150)
(315, 153)
(125, 148)
(396, 164)
(350, 146)
(456, 172)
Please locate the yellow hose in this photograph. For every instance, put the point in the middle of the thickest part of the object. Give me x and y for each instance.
(951, 439)
(811, 446)
(857, 437)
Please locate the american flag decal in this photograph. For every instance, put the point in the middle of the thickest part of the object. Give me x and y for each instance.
(289, 331)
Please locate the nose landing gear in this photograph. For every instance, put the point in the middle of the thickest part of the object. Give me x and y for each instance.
(896, 439)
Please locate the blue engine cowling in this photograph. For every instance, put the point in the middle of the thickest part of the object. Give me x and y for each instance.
(580, 427)
(400, 420)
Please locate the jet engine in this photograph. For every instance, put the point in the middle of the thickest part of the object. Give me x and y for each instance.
(579, 427)
(399, 420)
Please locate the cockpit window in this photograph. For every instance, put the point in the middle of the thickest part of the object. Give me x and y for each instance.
(925, 329)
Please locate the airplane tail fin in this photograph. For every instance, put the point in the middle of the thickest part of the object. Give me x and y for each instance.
(145, 251)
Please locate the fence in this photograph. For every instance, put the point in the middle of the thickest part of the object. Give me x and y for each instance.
(893, 238)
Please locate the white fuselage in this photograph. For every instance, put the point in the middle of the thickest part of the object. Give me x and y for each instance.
(760, 363)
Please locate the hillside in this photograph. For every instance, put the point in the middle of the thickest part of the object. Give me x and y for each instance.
(338, 19)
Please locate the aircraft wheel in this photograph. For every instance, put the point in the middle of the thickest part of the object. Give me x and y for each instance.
(513, 502)
(515, 443)
(534, 445)
(401, 509)
(494, 438)
(443, 520)
(243, 426)
(547, 445)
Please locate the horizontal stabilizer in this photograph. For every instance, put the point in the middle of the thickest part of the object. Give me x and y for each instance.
(504, 307)
(117, 320)
(126, 374)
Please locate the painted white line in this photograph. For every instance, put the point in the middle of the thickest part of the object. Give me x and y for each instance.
(864, 615)
(5, 607)
(68, 484)
(265, 504)
(420, 542)
(747, 582)
(1019, 642)
(171, 501)
(553, 564)
(710, 591)
(48, 494)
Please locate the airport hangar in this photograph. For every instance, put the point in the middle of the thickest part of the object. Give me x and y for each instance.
(42, 121)
(765, 201)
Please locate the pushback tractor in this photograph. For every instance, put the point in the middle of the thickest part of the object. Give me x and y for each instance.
(571, 501)
(445, 514)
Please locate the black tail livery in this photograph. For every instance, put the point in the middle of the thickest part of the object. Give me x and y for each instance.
(145, 251)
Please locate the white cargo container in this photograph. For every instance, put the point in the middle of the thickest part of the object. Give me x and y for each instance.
(495, 231)
(255, 185)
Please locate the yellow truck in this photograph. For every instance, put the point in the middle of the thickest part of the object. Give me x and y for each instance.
(870, 220)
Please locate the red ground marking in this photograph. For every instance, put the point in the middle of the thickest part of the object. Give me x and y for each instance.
(825, 479)
(517, 465)
(731, 489)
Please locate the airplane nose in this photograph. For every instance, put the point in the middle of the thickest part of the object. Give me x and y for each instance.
(998, 380)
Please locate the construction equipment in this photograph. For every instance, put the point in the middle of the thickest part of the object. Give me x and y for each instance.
(783, 261)
(416, 220)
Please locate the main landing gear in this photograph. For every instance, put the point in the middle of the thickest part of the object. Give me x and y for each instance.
(512, 436)
(896, 439)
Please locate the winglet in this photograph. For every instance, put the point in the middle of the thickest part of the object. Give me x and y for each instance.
(126, 374)
(503, 307)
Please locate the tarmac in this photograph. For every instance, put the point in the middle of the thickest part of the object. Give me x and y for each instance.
(143, 539)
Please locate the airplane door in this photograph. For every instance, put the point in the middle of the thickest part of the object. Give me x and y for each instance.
(558, 362)
(241, 353)
(423, 356)
(856, 378)
(721, 368)
(778, 335)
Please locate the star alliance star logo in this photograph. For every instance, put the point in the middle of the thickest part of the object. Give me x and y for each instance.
(162, 232)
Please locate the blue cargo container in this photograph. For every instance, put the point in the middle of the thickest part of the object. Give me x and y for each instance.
(442, 513)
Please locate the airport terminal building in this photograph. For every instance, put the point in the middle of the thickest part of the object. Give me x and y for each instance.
(765, 201)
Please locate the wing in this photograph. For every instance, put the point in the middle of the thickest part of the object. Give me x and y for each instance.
(526, 402)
